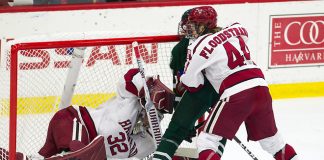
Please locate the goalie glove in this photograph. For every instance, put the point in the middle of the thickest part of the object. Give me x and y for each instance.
(161, 96)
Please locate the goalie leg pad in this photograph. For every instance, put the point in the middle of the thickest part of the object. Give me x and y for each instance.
(62, 130)
(93, 151)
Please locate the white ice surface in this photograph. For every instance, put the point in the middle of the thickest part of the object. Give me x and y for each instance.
(301, 123)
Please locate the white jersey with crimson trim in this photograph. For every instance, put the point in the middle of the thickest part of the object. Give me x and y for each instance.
(224, 59)
(115, 120)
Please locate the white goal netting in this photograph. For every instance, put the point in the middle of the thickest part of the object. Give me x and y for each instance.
(42, 68)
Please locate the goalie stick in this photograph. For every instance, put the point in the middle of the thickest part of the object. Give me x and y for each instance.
(72, 77)
(149, 108)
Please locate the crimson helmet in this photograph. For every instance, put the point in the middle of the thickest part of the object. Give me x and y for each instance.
(204, 15)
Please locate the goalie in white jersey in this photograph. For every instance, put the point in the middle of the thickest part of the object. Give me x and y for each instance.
(122, 122)
(224, 59)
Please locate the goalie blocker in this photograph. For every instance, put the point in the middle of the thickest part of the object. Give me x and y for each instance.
(113, 119)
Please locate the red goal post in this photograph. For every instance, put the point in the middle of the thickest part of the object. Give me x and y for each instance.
(31, 72)
(62, 44)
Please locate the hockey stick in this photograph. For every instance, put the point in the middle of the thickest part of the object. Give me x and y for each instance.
(150, 109)
(245, 148)
(72, 77)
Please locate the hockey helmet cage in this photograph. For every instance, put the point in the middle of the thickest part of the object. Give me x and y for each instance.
(194, 18)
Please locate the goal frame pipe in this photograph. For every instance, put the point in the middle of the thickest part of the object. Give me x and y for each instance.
(13, 99)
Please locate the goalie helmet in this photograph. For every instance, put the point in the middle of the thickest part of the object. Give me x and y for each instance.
(197, 21)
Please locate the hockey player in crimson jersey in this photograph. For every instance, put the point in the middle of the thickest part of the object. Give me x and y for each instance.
(224, 59)
(122, 121)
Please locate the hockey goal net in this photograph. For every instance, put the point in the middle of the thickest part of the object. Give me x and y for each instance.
(34, 72)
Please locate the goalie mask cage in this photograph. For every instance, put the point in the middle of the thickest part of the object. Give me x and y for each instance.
(38, 72)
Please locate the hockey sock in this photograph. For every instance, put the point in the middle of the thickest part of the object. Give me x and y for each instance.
(208, 155)
(287, 153)
(165, 150)
(170, 142)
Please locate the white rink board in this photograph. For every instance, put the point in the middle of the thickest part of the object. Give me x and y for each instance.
(299, 120)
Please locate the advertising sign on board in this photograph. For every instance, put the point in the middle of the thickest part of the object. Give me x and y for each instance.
(296, 40)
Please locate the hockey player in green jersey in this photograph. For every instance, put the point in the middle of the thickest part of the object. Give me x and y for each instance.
(188, 106)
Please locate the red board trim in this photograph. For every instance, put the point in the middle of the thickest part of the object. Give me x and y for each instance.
(118, 5)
